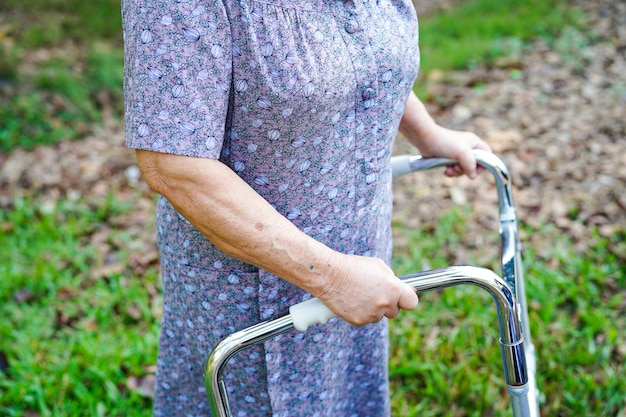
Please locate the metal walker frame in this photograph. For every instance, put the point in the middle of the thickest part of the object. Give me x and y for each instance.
(508, 292)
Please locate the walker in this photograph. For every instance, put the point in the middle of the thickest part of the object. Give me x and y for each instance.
(508, 292)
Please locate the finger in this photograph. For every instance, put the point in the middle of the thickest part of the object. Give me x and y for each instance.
(467, 163)
(408, 299)
(482, 145)
(453, 170)
(392, 313)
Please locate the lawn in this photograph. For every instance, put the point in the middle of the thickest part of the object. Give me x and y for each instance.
(79, 319)
(77, 340)
(446, 357)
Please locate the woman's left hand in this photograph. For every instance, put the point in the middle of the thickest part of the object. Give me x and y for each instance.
(437, 141)
(453, 144)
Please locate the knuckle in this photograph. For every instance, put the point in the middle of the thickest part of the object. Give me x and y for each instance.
(392, 314)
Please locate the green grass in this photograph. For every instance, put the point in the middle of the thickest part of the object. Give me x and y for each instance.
(60, 69)
(75, 337)
(61, 102)
(446, 356)
(479, 32)
(72, 336)
(50, 23)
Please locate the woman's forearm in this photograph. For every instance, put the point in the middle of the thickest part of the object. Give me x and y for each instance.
(416, 125)
(242, 224)
(236, 219)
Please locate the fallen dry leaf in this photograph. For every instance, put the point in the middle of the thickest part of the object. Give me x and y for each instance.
(143, 385)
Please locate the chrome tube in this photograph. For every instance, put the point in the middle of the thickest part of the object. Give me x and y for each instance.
(522, 402)
(511, 259)
(511, 339)
(214, 368)
(512, 271)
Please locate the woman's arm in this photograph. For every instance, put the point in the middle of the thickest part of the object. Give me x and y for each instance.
(242, 224)
(436, 141)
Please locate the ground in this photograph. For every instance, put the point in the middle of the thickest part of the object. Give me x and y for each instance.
(555, 114)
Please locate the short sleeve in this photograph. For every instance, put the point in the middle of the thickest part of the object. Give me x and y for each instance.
(177, 75)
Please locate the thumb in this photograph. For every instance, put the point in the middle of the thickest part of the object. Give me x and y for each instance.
(408, 299)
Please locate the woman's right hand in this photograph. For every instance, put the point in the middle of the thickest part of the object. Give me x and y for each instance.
(363, 290)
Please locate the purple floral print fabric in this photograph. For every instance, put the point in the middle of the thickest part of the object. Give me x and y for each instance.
(301, 98)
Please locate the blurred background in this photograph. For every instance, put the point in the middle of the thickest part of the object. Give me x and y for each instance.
(543, 81)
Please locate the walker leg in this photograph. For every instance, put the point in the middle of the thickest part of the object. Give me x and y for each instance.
(512, 270)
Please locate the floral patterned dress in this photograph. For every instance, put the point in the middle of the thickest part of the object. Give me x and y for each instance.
(302, 99)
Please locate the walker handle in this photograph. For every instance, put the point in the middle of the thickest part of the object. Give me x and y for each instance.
(405, 164)
(310, 312)
(400, 165)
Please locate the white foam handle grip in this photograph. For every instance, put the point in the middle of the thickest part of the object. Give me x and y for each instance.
(309, 312)
(400, 165)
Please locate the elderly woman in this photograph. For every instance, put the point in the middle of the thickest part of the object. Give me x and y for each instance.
(267, 127)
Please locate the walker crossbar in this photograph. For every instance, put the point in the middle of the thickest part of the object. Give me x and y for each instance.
(511, 338)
